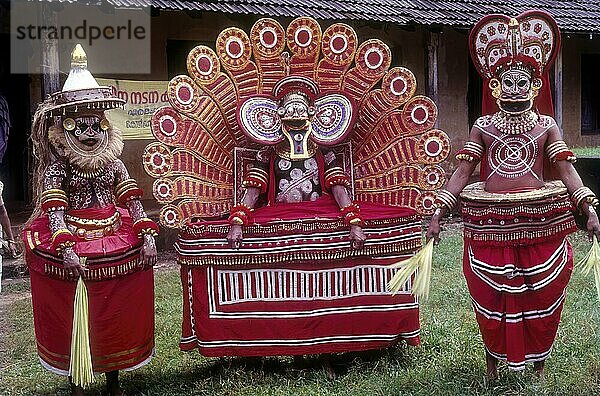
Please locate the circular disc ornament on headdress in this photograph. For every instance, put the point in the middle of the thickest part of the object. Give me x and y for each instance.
(399, 84)
(164, 190)
(171, 216)
(419, 114)
(165, 125)
(303, 36)
(234, 48)
(181, 93)
(432, 177)
(339, 44)
(157, 159)
(267, 37)
(426, 201)
(432, 146)
(203, 64)
(373, 57)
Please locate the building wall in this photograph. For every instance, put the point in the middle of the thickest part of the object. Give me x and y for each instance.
(453, 82)
(572, 48)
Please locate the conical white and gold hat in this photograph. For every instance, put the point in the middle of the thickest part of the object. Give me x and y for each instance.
(81, 90)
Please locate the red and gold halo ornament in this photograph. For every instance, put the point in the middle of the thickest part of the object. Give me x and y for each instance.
(267, 37)
(203, 64)
(234, 48)
(339, 44)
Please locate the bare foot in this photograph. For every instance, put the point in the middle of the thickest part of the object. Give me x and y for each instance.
(491, 366)
(538, 368)
(112, 384)
(75, 390)
(327, 367)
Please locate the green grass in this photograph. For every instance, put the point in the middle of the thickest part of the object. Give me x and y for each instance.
(587, 151)
(449, 361)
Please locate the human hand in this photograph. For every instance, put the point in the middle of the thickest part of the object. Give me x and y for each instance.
(72, 263)
(433, 231)
(235, 236)
(357, 237)
(593, 225)
(148, 252)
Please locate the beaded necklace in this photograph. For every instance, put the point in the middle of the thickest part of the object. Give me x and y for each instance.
(515, 124)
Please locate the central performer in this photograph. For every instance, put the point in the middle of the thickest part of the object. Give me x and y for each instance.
(296, 176)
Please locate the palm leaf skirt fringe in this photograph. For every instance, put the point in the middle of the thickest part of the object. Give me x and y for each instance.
(420, 263)
(591, 263)
(80, 367)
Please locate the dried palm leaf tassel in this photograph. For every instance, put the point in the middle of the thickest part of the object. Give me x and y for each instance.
(420, 263)
(80, 367)
(591, 263)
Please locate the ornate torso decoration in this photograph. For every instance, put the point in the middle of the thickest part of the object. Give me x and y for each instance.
(515, 124)
(85, 190)
(297, 180)
(511, 155)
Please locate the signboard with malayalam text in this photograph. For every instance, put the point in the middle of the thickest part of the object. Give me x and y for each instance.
(142, 99)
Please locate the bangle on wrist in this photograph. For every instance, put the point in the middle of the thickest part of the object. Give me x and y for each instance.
(445, 198)
(145, 226)
(584, 194)
(240, 215)
(352, 216)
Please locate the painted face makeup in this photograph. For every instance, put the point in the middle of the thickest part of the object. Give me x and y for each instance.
(86, 134)
(296, 113)
(516, 91)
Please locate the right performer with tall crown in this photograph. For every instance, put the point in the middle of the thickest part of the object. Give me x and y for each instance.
(517, 260)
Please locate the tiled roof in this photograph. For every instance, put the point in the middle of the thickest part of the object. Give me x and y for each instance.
(571, 15)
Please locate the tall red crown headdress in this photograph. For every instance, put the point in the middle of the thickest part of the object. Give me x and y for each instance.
(531, 40)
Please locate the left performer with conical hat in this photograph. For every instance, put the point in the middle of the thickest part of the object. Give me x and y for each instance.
(88, 211)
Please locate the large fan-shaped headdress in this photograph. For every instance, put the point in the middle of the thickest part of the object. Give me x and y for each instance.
(530, 40)
(360, 102)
